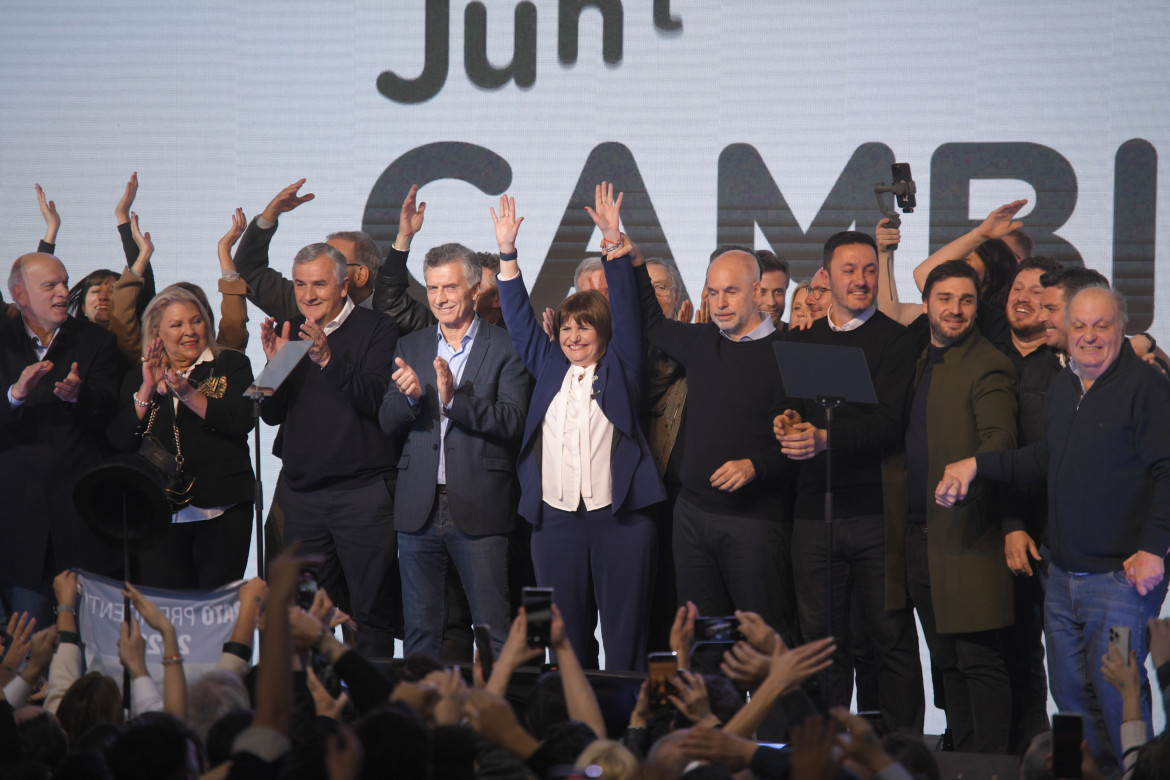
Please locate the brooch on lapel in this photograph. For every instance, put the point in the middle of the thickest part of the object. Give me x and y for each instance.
(596, 390)
(214, 386)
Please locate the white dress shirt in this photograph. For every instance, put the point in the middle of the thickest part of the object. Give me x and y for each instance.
(576, 446)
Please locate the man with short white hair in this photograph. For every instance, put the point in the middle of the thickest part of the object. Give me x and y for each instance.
(337, 462)
(1105, 453)
(459, 397)
(61, 377)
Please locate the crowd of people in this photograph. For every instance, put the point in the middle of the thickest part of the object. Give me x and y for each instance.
(644, 455)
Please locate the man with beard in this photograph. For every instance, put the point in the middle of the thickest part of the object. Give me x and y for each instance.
(1023, 312)
(964, 402)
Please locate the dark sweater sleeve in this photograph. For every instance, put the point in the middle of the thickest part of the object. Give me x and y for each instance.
(392, 295)
(1152, 443)
(365, 384)
(367, 686)
(1027, 464)
(674, 338)
(885, 428)
(271, 292)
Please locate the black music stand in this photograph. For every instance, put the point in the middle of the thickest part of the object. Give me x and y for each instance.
(270, 378)
(829, 375)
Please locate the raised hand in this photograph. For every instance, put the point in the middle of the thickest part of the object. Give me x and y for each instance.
(132, 649)
(325, 705)
(507, 224)
(410, 219)
(812, 750)
(546, 323)
(122, 209)
(65, 586)
(70, 387)
(29, 378)
(682, 633)
(406, 380)
(142, 240)
(859, 741)
(606, 212)
(444, 381)
(1000, 222)
(154, 370)
(757, 632)
(239, 224)
(515, 652)
(703, 315)
(319, 353)
(792, 667)
(686, 312)
(149, 611)
(452, 690)
(886, 236)
(745, 666)
(286, 200)
(42, 647)
(692, 699)
(49, 212)
(269, 340)
(20, 628)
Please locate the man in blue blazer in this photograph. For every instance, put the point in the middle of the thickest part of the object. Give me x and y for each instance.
(459, 397)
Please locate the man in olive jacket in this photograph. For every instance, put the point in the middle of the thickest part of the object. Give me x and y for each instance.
(964, 403)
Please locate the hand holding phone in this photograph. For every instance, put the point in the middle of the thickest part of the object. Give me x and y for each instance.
(537, 604)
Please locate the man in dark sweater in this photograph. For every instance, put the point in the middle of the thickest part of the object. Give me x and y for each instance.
(336, 459)
(1105, 452)
(863, 435)
(729, 520)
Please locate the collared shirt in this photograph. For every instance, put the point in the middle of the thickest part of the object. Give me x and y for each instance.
(341, 317)
(457, 360)
(854, 323)
(764, 329)
(576, 444)
(41, 349)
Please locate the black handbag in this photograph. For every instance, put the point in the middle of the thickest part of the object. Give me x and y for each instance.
(178, 487)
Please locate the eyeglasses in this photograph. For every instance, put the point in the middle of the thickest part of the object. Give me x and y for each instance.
(353, 265)
(817, 292)
(663, 289)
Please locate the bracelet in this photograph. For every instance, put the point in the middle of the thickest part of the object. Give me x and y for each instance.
(608, 246)
(170, 660)
(509, 255)
(139, 404)
(64, 609)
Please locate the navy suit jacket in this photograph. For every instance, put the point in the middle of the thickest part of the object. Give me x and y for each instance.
(618, 386)
(483, 435)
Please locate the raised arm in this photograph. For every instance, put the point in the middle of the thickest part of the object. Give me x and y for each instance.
(888, 301)
(174, 681)
(126, 301)
(233, 305)
(997, 225)
(579, 699)
(52, 218)
(528, 338)
(270, 290)
(391, 293)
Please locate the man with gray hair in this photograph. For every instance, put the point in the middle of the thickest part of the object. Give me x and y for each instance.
(337, 463)
(1105, 452)
(459, 396)
(61, 377)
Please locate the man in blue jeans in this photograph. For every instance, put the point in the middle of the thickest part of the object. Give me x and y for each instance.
(459, 397)
(1106, 456)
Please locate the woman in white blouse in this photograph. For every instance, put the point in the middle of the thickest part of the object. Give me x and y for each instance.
(587, 479)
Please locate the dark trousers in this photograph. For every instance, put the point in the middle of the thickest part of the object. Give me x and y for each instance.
(1024, 648)
(353, 529)
(858, 568)
(596, 562)
(200, 555)
(724, 563)
(972, 665)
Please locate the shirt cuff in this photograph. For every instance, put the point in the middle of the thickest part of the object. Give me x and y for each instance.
(264, 224)
(144, 696)
(262, 742)
(17, 691)
(12, 401)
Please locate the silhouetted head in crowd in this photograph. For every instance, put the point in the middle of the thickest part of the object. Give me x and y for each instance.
(453, 752)
(564, 741)
(614, 759)
(212, 696)
(41, 736)
(396, 743)
(91, 699)
(156, 746)
(666, 760)
(90, 298)
(487, 305)
(1153, 760)
(412, 668)
(217, 748)
(546, 704)
(911, 752)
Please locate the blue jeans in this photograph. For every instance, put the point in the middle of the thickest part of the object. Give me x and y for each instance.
(482, 565)
(1078, 612)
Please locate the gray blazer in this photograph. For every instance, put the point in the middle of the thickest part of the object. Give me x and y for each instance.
(483, 437)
